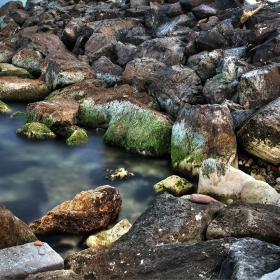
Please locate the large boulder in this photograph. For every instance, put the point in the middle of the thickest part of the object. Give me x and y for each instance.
(89, 210)
(201, 132)
(261, 133)
(14, 232)
(247, 220)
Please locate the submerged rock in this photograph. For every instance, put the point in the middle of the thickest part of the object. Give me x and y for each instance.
(4, 108)
(36, 130)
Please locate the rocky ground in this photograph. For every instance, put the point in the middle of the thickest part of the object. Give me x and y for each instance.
(197, 81)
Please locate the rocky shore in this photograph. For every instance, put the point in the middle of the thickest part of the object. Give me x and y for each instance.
(195, 81)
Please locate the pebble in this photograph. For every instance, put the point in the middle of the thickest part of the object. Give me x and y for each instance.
(38, 243)
(42, 251)
(200, 198)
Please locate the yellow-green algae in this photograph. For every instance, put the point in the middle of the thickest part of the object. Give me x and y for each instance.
(36, 130)
(4, 108)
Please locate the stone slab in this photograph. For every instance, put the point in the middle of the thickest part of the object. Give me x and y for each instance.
(19, 261)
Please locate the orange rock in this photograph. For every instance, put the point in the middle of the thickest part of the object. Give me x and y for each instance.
(38, 243)
(250, 161)
(200, 198)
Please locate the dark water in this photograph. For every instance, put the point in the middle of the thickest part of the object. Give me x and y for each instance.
(37, 175)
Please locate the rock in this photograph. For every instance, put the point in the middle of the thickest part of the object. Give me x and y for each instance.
(14, 231)
(6, 54)
(175, 87)
(36, 130)
(260, 134)
(107, 71)
(169, 220)
(239, 220)
(19, 261)
(250, 258)
(125, 52)
(188, 5)
(192, 138)
(259, 192)
(88, 211)
(53, 114)
(56, 274)
(273, 275)
(203, 11)
(221, 181)
(23, 90)
(127, 127)
(200, 260)
(106, 238)
(7, 69)
(259, 84)
(174, 185)
(141, 71)
(200, 198)
(29, 60)
(4, 108)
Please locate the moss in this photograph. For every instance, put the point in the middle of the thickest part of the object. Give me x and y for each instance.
(17, 114)
(36, 130)
(211, 165)
(78, 137)
(4, 108)
(48, 121)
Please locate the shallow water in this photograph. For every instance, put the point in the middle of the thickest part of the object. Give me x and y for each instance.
(37, 175)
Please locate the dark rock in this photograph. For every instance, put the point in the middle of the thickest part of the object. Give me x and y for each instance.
(203, 11)
(125, 52)
(250, 259)
(188, 5)
(9, 7)
(19, 16)
(247, 220)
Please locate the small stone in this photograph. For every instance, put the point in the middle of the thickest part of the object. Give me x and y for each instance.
(250, 161)
(42, 251)
(200, 198)
(38, 243)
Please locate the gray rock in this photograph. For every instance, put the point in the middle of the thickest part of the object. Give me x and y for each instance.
(125, 52)
(272, 275)
(249, 259)
(20, 261)
(54, 275)
(6, 54)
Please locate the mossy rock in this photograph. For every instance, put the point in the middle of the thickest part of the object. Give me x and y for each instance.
(18, 114)
(78, 137)
(7, 69)
(4, 108)
(36, 130)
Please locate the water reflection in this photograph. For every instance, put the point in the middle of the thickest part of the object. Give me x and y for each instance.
(35, 176)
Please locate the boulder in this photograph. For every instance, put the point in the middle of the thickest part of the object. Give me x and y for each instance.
(250, 258)
(4, 108)
(55, 274)
(221, 181)
(55, 113)
(19, 261)
(36, 131)
(89, 210)
(175, 87)
(174, 185)
(23, 90)
(13, 231)
(8, 27)
(170, 220)
(260, 134)
(6, 54)
(106, 238)
(201, 132)
(7, 69)
(239, 220)
(125, 52)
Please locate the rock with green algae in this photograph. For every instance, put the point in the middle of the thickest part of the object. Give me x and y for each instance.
(106, 238)
(78, 137)
(174, 185)
(7, 69)
(18, 114)
(36, 130)
(137, 128)
(4, 108)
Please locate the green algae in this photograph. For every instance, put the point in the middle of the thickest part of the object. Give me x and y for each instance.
(4, 108)
(36, 130)
(78, 137)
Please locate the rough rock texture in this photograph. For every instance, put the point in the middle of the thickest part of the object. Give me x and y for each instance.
(54, 275)
(7, 69)
(27, 90)
(200, 132)
(201, 260)
(170, 220)
(261, 133)
(89, 210)
(13, 231)
(35, 131)
(221, 181)
(6, 54)
(250, 259)
(242, 220)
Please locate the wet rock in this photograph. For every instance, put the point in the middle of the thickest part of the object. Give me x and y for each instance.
(4, 108)
(246, 220)
(175, 87)
(78, 136)
(221, 181)
(6, 54)
(169, 220)
(141, 71)
(192, 138)
(201, 260)
(259, 84)
(56, 274)
(106, 238)
(36, 131)
(13, 231)
(107, 71)
(7, 69)
(174, 185)
(53, 114)
(88, 211)
(250, 258)
(27, 90)
(260, 134)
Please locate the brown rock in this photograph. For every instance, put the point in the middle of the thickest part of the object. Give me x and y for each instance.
(13, 231)
(88, 211)
(200, 198)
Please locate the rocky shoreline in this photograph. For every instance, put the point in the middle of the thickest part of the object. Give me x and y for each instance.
(196, 81)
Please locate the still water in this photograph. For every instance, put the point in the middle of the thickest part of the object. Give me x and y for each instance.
(35, 176)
